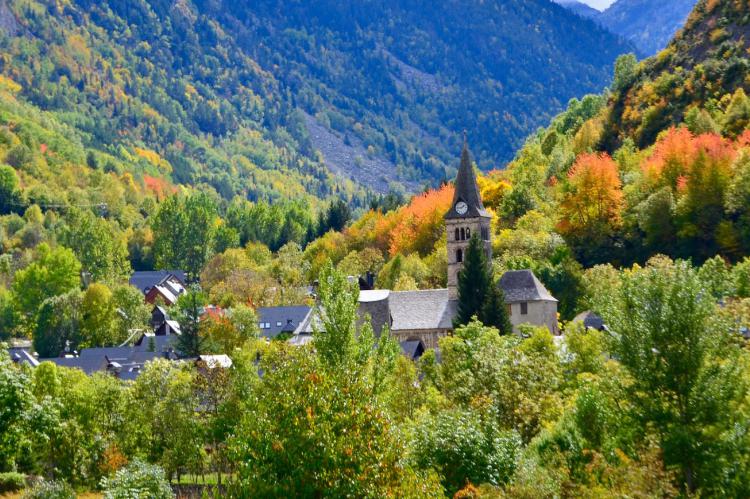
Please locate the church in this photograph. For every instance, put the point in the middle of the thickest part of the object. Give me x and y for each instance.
(420, 318)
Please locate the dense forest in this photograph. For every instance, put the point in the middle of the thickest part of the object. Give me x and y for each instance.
(632, 204)
(240, 97)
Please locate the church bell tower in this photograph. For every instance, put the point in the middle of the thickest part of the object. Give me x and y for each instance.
(466, 217)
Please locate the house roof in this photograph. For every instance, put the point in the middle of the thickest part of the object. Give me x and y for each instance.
(281, 319)
(590, 320)
(88, 365)
(161, 343)
(169, 296)
(127, 361)
(368, 296)
(467, 189)
(522, 285)
(413, 349)
(422, 310)
(22, 355)
(146, 279)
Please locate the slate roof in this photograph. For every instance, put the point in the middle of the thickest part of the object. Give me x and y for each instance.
(590, 320)
(467, 189)
(413, 349)
(144, 280)
(375, 303)
(22, 355)
(422, 310)
(279, 319)
(161, 343)
(523, 286)
(127, 361)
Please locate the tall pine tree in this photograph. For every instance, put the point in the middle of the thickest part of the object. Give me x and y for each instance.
(478, 294)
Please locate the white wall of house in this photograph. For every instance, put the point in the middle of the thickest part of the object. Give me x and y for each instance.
(538, 313)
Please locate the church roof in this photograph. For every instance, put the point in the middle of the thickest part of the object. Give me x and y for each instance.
(522, 285)
(422, 310)
(467, 189)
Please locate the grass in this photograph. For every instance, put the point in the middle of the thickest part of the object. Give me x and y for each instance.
(83, 495)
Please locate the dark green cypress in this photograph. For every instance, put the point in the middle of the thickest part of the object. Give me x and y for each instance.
(474, 280)
(478, 293)
(494, 310)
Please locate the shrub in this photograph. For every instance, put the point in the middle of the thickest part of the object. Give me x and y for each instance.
(11, 482)
(138, 480)
(50, 490)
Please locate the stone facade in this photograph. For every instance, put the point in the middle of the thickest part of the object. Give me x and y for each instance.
(458, 233)
(429, 338)
(537, 313)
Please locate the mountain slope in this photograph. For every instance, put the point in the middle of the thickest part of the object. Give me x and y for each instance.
(649, 24)
(241, 96)
(705, 62)
(580, 8)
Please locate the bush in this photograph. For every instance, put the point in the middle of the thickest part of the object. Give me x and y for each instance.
(50, 490)
(138, 480)
(11, 482)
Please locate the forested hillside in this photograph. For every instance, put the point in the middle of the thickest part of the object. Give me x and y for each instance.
(649, 24)
(632, 205)
(241, 95)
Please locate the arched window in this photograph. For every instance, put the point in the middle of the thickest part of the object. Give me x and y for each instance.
(459, 256)
(468, 233)
(463, 234)
(458, 234)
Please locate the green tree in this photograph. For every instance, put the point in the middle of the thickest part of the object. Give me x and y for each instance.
(163, 412)
(56, 271)
(97, 317)
(478, 295)
(190, 343)
(184, 228)
(686, 371)
(15, 398)
(474, 281)
(310, 434)
(464, 448)
(59, 325)
(625, 72)
(131, 312)
(10, 194)
(98, 245)
(737, 117)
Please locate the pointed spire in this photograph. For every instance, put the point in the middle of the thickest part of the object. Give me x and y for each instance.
(467, 189)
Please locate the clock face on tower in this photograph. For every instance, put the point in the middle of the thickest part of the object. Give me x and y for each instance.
(461, 208)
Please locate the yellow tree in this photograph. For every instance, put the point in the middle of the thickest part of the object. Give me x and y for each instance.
(592, 199)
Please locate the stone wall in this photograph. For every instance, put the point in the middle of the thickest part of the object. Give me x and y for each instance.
(540, 313)
(428, 338)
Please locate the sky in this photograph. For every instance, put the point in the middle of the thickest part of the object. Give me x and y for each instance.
(599, 4)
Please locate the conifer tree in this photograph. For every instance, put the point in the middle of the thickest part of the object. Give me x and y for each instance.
(494, 311)
(474, 280)
(478, 294)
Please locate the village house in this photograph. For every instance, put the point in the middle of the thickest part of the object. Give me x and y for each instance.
(160, 286)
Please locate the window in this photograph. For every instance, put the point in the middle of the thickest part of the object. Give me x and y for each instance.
(468, 233)
(524, 308)
(485, 234)
(278, 324)
(458, 234)
(463, 234)
(459, 256)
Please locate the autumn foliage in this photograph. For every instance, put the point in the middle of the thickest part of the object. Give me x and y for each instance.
(592, 201)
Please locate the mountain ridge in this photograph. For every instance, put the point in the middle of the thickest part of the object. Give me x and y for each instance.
(223, 91)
